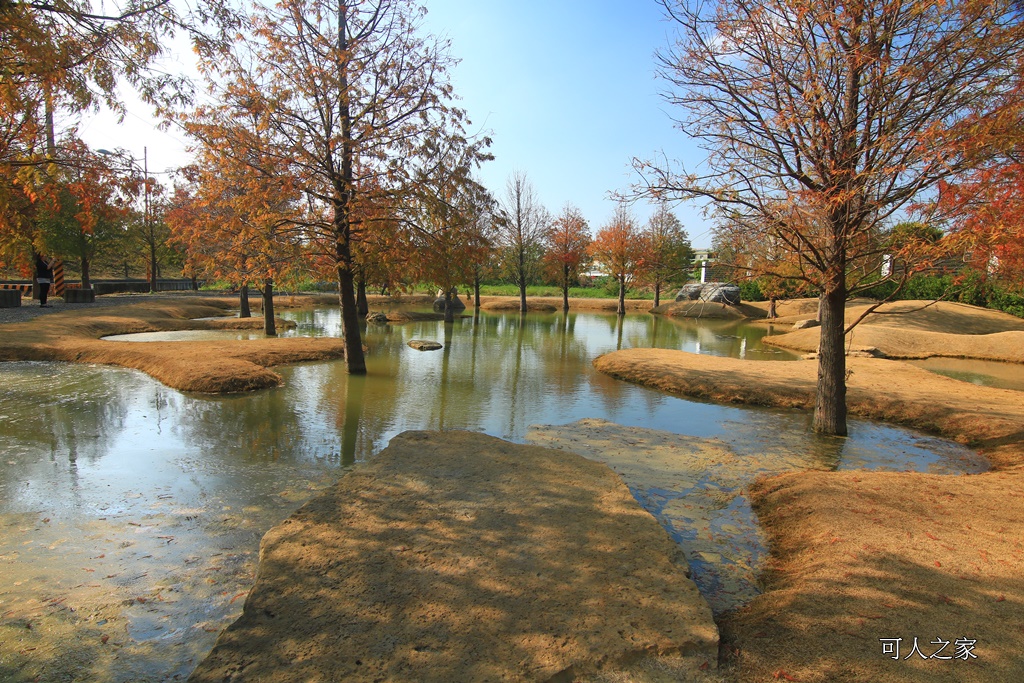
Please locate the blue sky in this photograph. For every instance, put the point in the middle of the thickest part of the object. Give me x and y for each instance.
(566, 88)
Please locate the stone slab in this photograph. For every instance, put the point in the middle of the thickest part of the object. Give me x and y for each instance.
(455, 556)
(10, 298)
(79, 296)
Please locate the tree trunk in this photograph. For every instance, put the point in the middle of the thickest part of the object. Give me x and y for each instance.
(362, 305)
(354, 391)
(522, 294)
(772, 314)
(86, 283)
(269, 326)
(565, 288)
(449, 309)
(344, 196)
(152, 268)
(243, 302)
(35, 283)
(195, 284)
(355, 363)
(476, 292)
(621, 310)
(830, 396)
(657, 294)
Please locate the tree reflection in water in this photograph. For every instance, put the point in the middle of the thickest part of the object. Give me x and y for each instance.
(163, 493)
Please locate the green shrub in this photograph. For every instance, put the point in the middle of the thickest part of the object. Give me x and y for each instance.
(1007, 301)
(610, 286)
(967, 287)
(928, 287)
(972, 288)
(750, 290)
(879, 291)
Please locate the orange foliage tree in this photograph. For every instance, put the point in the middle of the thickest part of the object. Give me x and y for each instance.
(354, 95)
(773, 267)
(987, 213)
(617, 249)
(447, 219)
(823, 120)
(237, 218)
(59, 59)
(382, 255)
(82, 208)
(985, 207)
(566, 252)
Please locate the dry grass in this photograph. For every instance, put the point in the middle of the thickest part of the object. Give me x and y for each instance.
(455, 556)
(861, 556)
(206, 366)
(915, 329)
(514, 305)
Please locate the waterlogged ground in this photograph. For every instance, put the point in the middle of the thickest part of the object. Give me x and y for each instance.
(129, 522)
(130, 514)
(696, 486)
(986, 373)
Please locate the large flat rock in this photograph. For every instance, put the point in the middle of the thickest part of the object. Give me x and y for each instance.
(455, 556)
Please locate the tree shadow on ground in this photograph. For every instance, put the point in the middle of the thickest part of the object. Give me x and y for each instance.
(860, 557)
(459, 557)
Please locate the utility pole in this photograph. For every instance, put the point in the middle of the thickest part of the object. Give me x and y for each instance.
(150, 237)
(147, 228)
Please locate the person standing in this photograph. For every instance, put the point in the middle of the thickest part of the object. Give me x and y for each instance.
(44, 276)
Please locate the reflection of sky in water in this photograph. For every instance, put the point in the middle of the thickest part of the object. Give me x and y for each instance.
(695, 486)
(108, 456)
(597, 333)
(187, 335)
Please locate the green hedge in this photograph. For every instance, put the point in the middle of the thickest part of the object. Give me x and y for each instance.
(967, 287)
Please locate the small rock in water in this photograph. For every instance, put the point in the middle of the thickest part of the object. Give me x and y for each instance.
(421, 345)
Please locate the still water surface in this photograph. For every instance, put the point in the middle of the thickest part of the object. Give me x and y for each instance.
(130, 513)
(985, 373)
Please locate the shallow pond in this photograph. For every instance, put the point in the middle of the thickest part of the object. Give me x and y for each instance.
(187, 335)
(986, 373)
(130, 513)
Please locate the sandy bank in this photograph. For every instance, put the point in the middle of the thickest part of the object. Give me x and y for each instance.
(861, 556)
(455, 556)
(553, 304)
(203, 366)
(921, 329)
(878, 389)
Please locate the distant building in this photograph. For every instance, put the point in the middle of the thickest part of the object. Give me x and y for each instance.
(707, 270)
(595, 271)
(701, 255)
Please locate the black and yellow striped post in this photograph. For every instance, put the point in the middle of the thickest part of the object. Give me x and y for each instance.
(58, 277)
(24, 289)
